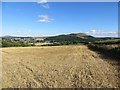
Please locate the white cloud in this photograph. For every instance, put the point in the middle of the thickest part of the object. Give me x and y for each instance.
(101, 33)
(44, 18)
(43, 3)
(93, 31)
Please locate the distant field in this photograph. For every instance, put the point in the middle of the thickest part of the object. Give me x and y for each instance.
(56, 66)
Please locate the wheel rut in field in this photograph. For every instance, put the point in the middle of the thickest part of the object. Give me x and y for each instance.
(31, 73)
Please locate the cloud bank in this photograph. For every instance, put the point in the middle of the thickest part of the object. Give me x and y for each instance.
(102, 33)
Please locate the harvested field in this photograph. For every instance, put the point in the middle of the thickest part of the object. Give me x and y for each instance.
(58, 67)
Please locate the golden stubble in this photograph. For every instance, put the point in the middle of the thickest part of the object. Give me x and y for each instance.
(56, 67)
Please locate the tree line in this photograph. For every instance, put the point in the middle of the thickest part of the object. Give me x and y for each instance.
(14, 44)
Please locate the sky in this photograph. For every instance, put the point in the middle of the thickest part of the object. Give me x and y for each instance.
(38, 19)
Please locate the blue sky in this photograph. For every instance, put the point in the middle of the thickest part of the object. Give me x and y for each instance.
(54, 18)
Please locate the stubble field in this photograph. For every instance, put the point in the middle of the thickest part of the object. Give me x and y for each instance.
(56, 67)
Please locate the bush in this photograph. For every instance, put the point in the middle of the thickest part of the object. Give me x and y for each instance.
(15, 44)
(108, 42)
(106, 50)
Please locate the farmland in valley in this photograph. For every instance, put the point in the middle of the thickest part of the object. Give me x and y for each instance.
(58, 67)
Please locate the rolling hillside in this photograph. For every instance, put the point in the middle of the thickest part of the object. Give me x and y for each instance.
(74, 37)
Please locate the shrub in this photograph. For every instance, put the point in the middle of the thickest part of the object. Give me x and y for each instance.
(15, 44)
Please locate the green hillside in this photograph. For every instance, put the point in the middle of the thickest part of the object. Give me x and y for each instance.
(71, 38)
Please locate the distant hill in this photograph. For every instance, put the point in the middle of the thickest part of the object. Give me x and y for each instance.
(78, 34)
(14, 37)
(81, 35)
(7, 36)
(74, 37)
